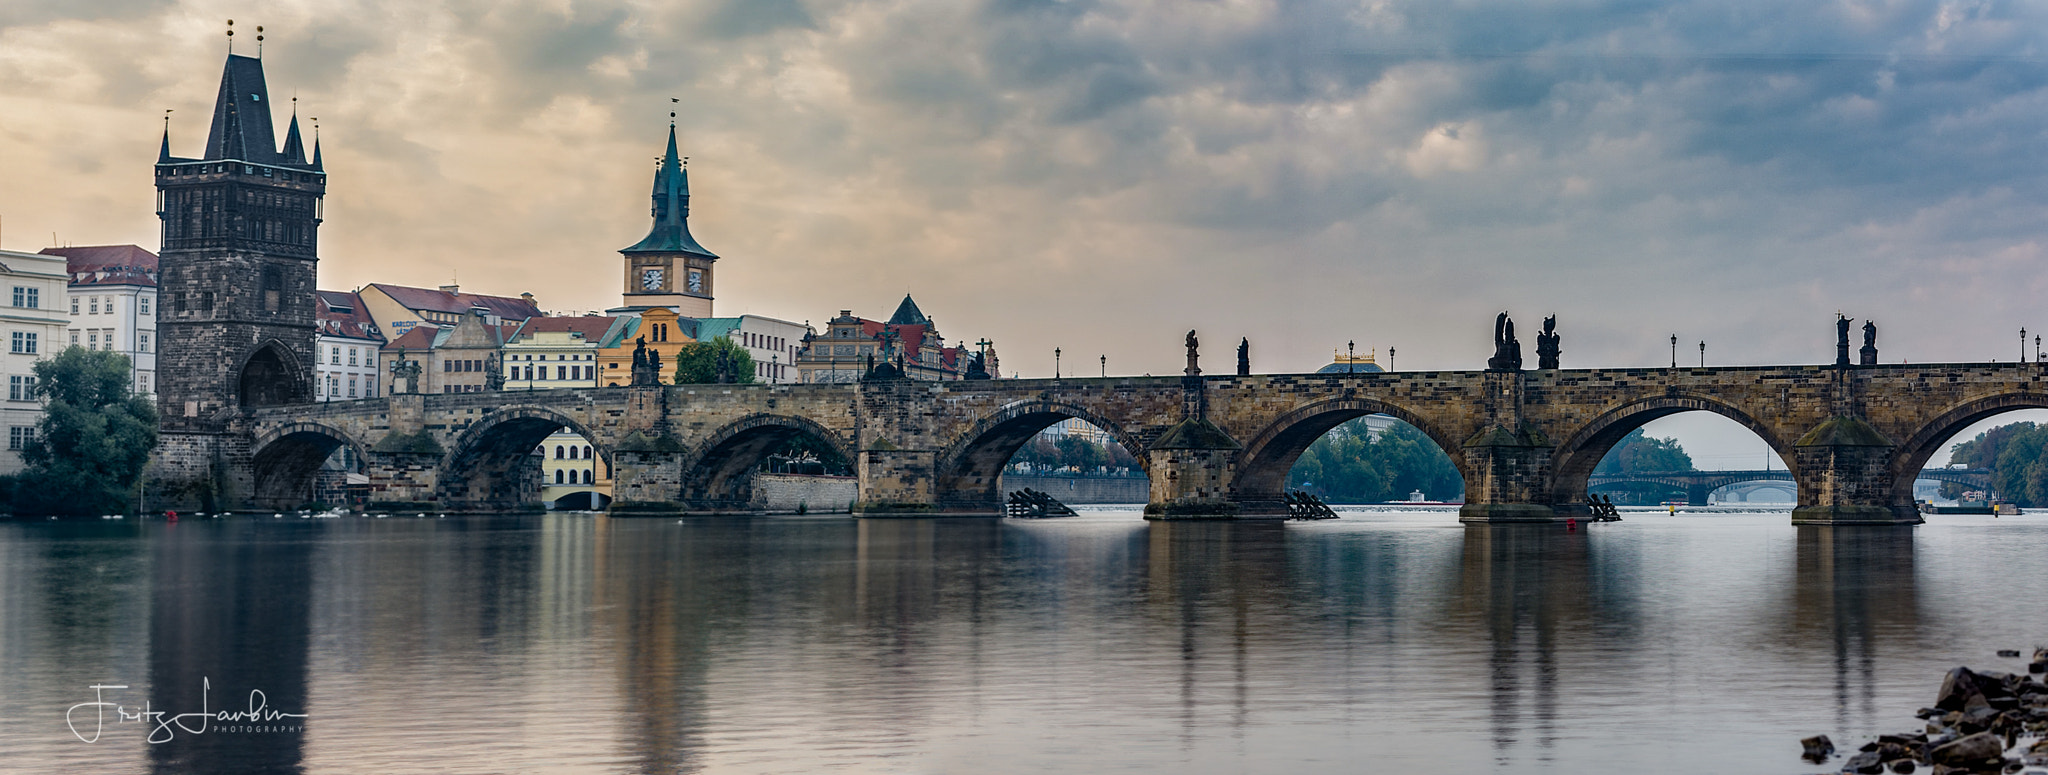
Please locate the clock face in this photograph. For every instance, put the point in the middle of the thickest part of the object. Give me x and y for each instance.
(650, 279)
(696, 281)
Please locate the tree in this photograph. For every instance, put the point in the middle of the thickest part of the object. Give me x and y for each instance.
(697, 362)
(92, 442)
(2014, 453)
(1637, 452)
(1351, 464)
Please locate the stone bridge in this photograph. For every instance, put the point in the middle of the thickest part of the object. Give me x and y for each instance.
(1854, 438)
(1698, 485)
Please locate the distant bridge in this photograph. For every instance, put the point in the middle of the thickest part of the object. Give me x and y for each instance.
(1698, 485)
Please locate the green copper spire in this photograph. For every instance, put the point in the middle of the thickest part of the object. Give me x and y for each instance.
(671, 232)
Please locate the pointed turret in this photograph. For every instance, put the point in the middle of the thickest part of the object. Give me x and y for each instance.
(163, 155)
(907, 314)
(671, 232)
(294, 148)
(316, 152)
(241, 115)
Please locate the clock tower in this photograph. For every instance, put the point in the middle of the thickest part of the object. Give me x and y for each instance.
(668, 268)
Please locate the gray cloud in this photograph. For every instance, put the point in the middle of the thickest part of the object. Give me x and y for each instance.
(1103, 175)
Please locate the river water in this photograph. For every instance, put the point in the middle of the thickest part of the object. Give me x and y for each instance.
(1387, 641)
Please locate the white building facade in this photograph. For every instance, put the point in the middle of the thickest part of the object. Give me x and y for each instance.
(772, 343)
(33, 324)
(113, 306)
(345, 349)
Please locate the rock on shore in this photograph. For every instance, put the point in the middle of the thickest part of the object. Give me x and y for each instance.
(1980, 723)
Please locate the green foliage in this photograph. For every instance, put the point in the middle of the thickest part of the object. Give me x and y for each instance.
(93, 441)
(806, 454)
(1352, 465)
(1637, 452)
(2013, 452)
(1075, 452)
(697, 362)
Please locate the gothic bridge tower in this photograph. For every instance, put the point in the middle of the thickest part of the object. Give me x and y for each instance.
(236, 272)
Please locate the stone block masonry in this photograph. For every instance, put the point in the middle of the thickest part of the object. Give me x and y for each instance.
(1525, 442)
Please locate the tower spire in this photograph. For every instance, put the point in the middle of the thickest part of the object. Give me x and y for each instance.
(671, 232)
(294, 148)
(241, 115)
(316, 144)
(163, 155)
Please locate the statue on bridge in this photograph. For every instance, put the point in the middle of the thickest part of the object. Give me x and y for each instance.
(646, 365)
(1244, 357)
(1841, 341)
(977, 368)
(409, 371)
(1507, 351)
(1546, 344)
(494, 373)
(1869, 351)
(1194, 344)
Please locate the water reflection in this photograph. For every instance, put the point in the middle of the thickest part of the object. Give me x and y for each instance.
(1535, 591)
(227, 618)
(1854, 589)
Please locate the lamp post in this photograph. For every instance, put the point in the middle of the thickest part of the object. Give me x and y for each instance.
(1055, 363)
(1105, 365)
(1350, 355)
(1703, 353)
(1674, 351)
(2023, 344)
(1390, 359)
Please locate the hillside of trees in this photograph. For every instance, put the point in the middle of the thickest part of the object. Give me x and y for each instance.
(1638, 452)
(1352, 465)
(2014, 455)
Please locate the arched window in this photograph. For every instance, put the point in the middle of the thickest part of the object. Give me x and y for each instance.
(558, 452)
(587, 473)
(558, 476)
(586, 452)
(273, 289)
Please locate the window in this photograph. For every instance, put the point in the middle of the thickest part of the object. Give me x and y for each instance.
(142, 382)
(559, 452)
(334, 355)
(74, 305)
(351, 386)
(74, 336)
(587, 476)
(351, 356)
(28, 297)
(21, 387)
(18, 436)
(95, 305)
(143, 304)
(24, 342)
(558, 476)
(561, 372)
(92, 339)
(586, 452)
(142, 341)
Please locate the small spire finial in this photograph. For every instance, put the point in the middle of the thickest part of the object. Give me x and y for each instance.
(259, 43)
(231, 37)
(672, 112)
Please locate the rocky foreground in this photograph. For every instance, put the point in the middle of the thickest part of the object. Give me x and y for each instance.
(1980, 723)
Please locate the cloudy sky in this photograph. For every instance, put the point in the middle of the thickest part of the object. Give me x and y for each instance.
(1103, 176)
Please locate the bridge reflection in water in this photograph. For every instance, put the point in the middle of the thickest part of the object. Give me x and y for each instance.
(815, 643)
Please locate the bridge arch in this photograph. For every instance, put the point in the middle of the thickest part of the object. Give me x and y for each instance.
(1930, 437)
(286, 462)
(492, 466)
(1263, 464)
(718, 474)
(1573, 461)
(968, 471)
(270, 375)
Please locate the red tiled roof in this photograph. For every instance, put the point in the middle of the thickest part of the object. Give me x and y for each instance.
(108, 264)
(341, 313)
(592, 327)
(436, 300)
(420, 338)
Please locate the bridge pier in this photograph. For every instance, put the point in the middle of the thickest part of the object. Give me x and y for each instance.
(1507, 478)
(1845, 477)
(896, 482)
(1192, 466)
